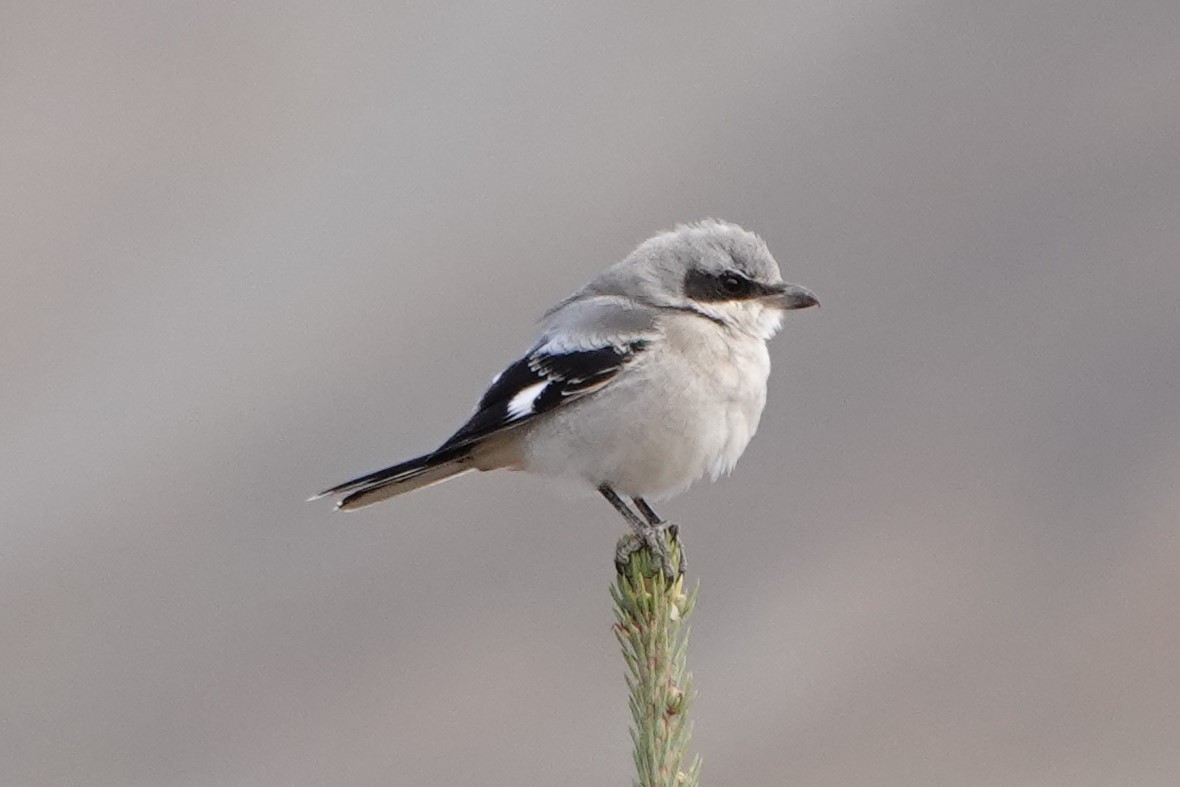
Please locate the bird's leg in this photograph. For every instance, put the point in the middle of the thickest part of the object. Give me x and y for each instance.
(655, 520)
(647, 534)
(648, 512)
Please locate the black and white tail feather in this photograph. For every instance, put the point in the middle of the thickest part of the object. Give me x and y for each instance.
(545, 379)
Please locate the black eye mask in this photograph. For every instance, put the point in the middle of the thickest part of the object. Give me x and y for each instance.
(724, 286)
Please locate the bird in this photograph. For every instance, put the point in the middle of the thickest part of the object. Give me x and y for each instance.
(650, 377)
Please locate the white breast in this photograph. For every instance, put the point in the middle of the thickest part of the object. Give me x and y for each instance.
(684, 409)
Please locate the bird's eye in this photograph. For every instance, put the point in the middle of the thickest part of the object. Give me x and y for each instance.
(733, 284)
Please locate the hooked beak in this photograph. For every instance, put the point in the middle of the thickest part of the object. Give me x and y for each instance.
(792, 296)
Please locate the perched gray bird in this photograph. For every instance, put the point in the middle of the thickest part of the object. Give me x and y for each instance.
(643, 381)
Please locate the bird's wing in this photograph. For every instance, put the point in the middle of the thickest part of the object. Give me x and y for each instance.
(585, 344)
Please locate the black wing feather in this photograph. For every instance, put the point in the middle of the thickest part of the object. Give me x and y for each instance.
(563, 377)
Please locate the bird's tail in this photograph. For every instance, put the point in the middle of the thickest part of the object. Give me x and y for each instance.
(399, 479)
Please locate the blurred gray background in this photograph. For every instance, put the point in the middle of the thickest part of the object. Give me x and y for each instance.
(251, 249)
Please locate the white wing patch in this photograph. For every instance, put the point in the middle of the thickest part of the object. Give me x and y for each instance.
(522, 403)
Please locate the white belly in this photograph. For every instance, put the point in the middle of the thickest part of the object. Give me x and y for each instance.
(671, 418)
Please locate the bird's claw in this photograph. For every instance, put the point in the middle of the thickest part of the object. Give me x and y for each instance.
(652, 537)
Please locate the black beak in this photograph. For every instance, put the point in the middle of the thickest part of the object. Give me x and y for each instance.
(792, 296)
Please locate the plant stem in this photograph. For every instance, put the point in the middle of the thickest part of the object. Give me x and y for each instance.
(651, 614)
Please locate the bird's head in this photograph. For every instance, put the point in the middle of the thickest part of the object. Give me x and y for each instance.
(717, 270)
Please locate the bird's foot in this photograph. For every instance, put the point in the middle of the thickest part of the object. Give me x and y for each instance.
(651, 535)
